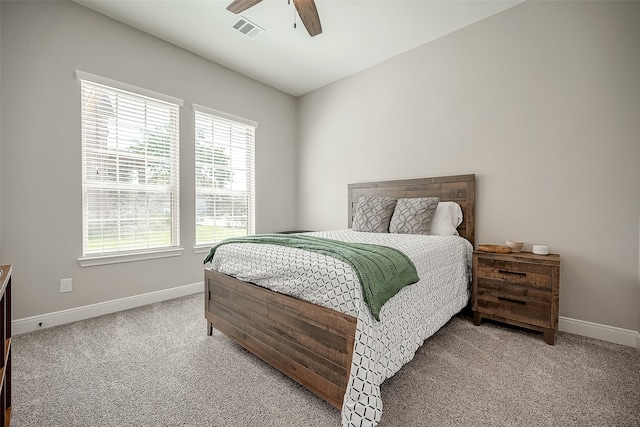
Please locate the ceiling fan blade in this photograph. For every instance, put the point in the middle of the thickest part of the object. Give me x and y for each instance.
(241, 5)
(309, 16)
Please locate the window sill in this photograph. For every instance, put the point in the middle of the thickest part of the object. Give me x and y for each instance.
(91, 261)
(202, 249)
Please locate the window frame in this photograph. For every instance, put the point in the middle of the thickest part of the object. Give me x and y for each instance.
(202, 247)
(90, 258)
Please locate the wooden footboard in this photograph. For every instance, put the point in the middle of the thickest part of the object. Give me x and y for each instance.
(311, 344)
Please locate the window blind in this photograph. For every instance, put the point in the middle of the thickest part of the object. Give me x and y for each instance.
(130, 171)
(225, 187)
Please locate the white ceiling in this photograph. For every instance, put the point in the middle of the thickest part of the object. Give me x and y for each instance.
(356, 34)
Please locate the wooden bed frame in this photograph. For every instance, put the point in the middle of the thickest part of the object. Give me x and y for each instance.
(312, 344)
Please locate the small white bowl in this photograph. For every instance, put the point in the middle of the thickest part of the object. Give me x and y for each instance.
(540, 250)
(515, 245)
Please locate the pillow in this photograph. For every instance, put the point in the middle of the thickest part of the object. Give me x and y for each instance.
(373, 214)
(413, 216)
(447, 218)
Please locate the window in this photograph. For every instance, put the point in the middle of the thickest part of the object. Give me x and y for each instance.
(130, 176)
(224, 175)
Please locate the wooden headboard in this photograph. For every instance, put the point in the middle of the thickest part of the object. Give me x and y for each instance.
(460, 189)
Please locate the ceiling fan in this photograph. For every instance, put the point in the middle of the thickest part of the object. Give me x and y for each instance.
(306, 9)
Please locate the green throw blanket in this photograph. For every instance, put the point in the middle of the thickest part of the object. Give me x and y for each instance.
(382, 271)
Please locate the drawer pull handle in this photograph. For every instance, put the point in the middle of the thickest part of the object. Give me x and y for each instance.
(512, 300)
(517, 273)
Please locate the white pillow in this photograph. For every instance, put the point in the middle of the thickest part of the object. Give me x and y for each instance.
(447, 218)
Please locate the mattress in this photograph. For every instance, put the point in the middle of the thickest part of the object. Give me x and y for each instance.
(381, 347)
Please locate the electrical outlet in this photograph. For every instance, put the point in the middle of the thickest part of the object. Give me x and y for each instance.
(66, 285)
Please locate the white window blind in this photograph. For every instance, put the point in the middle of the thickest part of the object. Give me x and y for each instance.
(225, 189)
(130, 175)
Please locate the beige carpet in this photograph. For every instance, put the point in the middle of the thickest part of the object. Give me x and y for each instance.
(155, 366)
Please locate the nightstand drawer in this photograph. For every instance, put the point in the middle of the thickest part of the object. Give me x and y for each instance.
(512, 307)
(518, 291)
(515, 272)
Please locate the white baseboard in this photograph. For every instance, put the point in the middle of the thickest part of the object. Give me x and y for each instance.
(612, 334)
(28, 324)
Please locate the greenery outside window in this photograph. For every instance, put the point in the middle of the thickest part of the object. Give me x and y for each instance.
(225, 190)
(130, 169)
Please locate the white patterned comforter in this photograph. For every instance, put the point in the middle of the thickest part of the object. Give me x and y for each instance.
(406, 320)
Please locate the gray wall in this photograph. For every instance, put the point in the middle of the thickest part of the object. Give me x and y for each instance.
(43, 43)
(541, 102)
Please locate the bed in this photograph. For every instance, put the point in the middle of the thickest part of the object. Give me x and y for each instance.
(314, 344)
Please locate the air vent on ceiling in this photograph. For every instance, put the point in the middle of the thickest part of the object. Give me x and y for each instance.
(247, 27)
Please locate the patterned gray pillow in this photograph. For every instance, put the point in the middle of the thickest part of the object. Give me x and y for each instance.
(373, 214)
(413, 216)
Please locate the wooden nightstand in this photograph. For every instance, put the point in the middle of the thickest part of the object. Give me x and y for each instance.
(519, 288)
